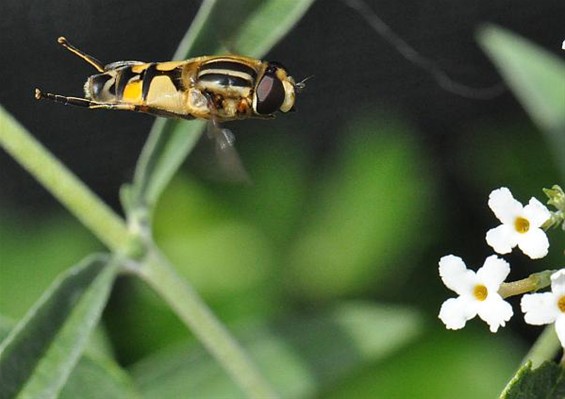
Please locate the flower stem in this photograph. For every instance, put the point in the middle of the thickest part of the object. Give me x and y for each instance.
(533, 282)
(187, 304)
(63, 184)
(545, 347)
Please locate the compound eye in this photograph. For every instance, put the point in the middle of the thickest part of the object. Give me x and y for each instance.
(270, 94)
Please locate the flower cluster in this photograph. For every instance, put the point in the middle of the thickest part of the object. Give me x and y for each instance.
(482, 293)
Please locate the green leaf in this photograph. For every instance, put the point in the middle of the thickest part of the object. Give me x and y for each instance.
(254, 27)
(545, 382)
(536, 77)
(98, 378)
(268, 24)
(301, 357)
(41, 351)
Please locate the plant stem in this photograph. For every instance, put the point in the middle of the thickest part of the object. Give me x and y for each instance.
(63, 184)
(545, 347)
(185, 301)
(533, 282)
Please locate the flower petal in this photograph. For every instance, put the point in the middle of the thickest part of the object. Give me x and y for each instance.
(558, 283)
(455, 274)
(494, 272)
(503, 204)
(495, 311)
(502, 238)
(455, 312)
(534, 243)
(560, 329)
(539, 309)
(536, 213)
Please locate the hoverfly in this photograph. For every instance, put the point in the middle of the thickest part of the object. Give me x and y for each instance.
(214, 88)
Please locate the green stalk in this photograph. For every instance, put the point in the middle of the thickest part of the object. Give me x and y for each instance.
(63, 184)
(533, 282)
(545, 347)
(187, 304)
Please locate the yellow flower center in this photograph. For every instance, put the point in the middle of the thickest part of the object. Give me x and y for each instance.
(480, 292)
(561, 304)
(521, 225)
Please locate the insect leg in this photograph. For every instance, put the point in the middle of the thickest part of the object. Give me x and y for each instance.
(88, 58)
(83, 102)
(80, 102)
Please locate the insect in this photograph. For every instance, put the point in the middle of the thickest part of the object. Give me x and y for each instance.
(218, 88)
(214, 88)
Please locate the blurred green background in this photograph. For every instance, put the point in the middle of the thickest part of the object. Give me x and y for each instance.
(355, 197)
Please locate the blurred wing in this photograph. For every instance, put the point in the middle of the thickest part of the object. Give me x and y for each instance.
(229, 161)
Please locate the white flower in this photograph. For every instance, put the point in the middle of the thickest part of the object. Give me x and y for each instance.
(520, 225)
(478, 292)
(548, 307)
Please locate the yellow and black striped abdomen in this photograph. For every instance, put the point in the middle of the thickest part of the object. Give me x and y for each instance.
(155, 84)
(145, 84)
